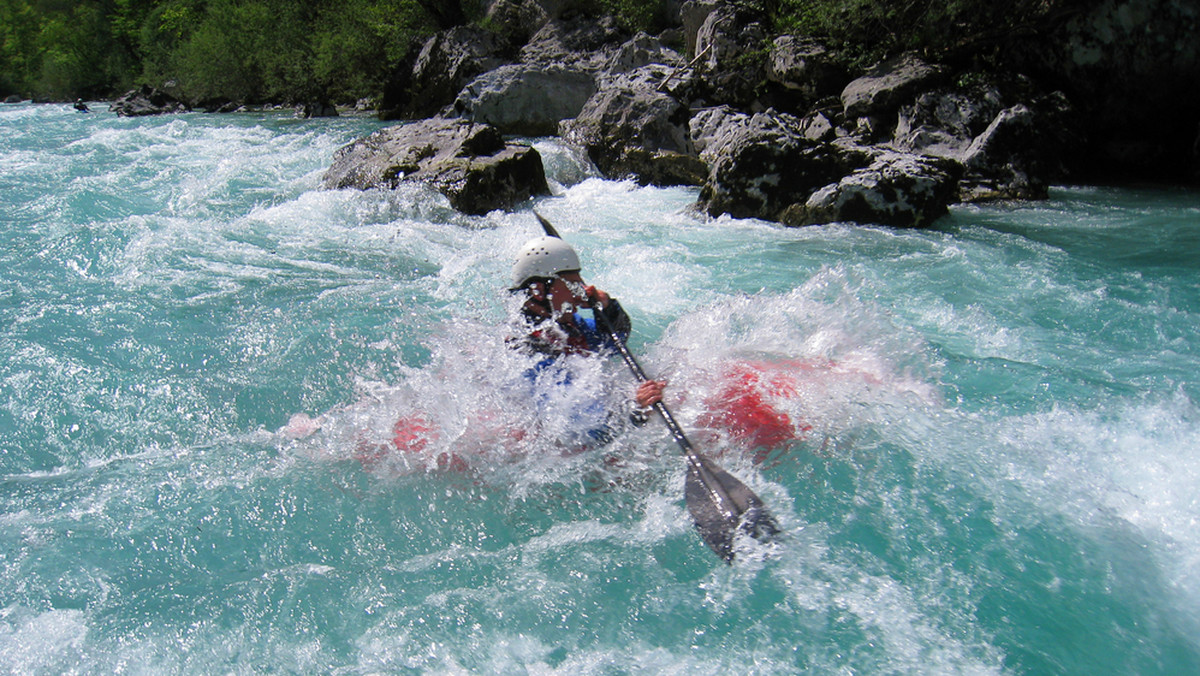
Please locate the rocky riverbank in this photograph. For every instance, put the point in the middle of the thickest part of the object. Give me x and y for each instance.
(777, 126)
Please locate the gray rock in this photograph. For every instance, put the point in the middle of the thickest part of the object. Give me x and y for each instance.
(445, 64)
(642, 50)
(730, 70)
(469, 163)
(897, 189)
(524, 99)
(709, 127)
(517, 20)
(1002, 162)
(146, 101)
(629, 128)
(888, 85)
(943, 123)
(763, 165)
(582, 44)
(316, 109)
(804, 66)
(692, 15)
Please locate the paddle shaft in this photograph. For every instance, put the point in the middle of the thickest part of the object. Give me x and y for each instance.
(717, 493)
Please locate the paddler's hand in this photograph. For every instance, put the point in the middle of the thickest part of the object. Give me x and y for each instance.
(649, 393)
(597, 297)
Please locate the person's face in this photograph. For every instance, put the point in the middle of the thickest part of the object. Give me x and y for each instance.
(567, 292)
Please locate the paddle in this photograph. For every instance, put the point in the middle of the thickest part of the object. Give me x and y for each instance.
(720, 505)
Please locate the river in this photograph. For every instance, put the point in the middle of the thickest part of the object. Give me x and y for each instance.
(992, 467)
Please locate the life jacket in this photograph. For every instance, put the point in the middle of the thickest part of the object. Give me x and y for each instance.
(577, 334)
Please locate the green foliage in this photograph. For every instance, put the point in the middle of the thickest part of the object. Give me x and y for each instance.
(241, 50)
(637, 15)
(57, 50)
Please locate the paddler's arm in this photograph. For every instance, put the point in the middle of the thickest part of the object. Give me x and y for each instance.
(617, 318)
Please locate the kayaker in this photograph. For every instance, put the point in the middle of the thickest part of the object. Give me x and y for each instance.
(558, 313)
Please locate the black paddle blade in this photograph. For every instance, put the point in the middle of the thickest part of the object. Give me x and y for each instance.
(549, 229)
(722, 507)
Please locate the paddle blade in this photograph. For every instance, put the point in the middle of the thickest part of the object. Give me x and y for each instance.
(723, 507)
(546, 226)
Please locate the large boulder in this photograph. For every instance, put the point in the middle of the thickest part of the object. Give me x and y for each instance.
(445, 63)
(146, 100)
(469, 163)
(642, 50)
(944, 122)
(897, 189)
(316, 109)
(1006, 151)
(692, 16)
(631, 129)
(517, 20)
(804, 70)
(763, 165)
(581, 43)
(524, 99)
(1015, 157)
(885, 87)
(709, 127)
(732, 70)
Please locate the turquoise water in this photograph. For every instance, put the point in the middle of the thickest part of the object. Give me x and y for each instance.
(995, 469)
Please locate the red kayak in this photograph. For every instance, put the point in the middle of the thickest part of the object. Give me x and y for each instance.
(748, 403)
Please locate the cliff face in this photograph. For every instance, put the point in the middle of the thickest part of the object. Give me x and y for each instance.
(1132, 68)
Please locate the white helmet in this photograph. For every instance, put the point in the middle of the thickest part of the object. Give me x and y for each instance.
(543, 257)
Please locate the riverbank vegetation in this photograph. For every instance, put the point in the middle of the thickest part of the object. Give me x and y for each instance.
(257, 51)
(250, 51)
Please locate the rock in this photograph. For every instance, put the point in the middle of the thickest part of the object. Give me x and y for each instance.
(525, 100)
(217, 105)
(818, 126)
(517, 20)
(763, 165)
(1002, 161)
(581, 43)
(146, 101)
(888, 85)
(944, 122)
(316, 109)
(469, 163)
(692, 15)
(629, 128)
(1007, 150)
(731, 72)
(642, 50)
(708, 126)
(897, 189)
(445, 63)
(13, 98)
(805, 67)
(957, 113)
